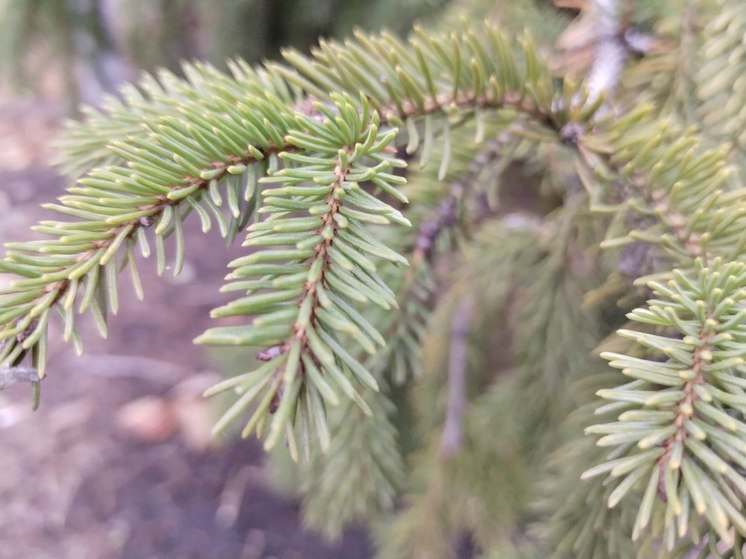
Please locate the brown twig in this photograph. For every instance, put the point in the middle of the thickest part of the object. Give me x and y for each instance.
(446, 214)
(12, 375)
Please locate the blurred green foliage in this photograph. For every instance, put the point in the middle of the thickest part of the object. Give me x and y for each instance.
(88, 46)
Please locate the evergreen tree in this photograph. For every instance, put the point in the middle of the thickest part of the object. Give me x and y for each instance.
(493, 307)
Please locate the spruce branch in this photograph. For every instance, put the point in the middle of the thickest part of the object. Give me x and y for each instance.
(165, 172)
(370, 469)
(682, 413)
(114, 207)
(303, 307)
(502, 261)
(327, 505)
(579, 524)
(292, 153)
(436, 81)
(665, 178)
(682, 81)
(360, 477)
(446, 215)
(437, 225)
(88, 144)
(716, 71)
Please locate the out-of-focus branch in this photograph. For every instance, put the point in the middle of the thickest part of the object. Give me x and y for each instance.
(446, 214)
(611, 50)
(453, 435)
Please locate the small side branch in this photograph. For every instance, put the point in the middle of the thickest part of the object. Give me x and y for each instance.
(611, 50)
(446, 214)
(452, 438)
(13, 375)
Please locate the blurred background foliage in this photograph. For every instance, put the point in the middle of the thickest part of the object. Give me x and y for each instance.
(79, 49)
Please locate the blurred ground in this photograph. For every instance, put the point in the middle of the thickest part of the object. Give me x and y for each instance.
(118, 462)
